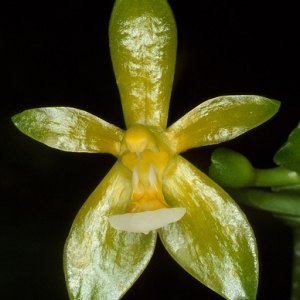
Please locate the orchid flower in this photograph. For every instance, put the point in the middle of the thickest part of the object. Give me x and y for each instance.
(151, 188)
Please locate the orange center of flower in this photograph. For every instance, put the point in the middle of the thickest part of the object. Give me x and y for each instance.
(147, 163)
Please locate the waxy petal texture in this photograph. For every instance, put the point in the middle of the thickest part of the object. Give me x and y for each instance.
(69, 129)
(143, 46)
(218, 120)
(213, 241)
(99, 261)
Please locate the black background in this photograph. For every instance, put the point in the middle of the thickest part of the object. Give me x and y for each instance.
(55, 53)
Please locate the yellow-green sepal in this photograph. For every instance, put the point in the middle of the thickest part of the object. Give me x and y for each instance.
(218, 120)
(143, 41)
(213, 241)
(69, 129)
(99, 261)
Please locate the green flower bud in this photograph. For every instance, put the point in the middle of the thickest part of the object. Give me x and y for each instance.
(231, 169)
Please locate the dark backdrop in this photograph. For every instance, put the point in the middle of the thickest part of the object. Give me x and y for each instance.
(55, 53)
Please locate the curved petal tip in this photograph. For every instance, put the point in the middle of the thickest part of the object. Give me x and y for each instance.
(146, 221)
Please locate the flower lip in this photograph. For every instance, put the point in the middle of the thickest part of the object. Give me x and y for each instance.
(146, 221)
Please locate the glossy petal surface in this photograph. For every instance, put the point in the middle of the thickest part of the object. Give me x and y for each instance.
(213, 241)
(288, 156)
(101, 262)
(218, 120)
(69, 129)
(143, 49)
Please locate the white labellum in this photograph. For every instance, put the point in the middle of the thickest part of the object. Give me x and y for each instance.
(146, 221)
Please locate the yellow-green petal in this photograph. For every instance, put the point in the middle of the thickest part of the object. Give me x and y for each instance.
(69, 129)
(218, 120)
(213, 241)
(99, 261)
(143, 45)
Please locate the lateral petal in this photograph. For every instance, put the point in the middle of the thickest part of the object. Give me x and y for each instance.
(99, 261)
(213, 241)
(69, 129)
(218, 120)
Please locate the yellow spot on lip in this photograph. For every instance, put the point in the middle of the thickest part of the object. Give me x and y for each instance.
(147, 201)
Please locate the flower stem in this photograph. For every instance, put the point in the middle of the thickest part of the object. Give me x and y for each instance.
(276, 177)
(278, 203)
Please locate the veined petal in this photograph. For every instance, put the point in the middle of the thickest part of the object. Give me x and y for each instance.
(143, 45)
(69, 129)
(99, 261)
(218, 120)
(213, 241)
